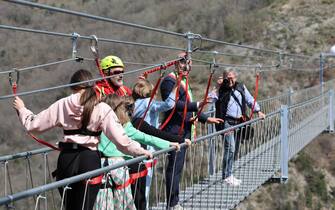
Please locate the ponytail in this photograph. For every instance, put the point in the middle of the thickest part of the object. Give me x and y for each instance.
(88, 98)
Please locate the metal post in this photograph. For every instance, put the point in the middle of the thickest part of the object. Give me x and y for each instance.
(331, 110)
(322, 57)
(290, 92)
(284, 143)
(211, 145)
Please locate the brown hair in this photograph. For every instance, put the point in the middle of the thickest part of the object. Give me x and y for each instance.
(88, 98)
(142, 89)
(123, 106)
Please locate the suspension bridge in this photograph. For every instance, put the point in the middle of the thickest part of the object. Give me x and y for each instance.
(294, 119)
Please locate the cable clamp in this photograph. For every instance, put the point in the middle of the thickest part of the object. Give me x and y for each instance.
(94, 46)
(14, 82)
(74, 39)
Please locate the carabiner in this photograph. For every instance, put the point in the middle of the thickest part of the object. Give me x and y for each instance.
(13, 82)
(258, 68)
(74, 39)
(94, 46)
(163, 67)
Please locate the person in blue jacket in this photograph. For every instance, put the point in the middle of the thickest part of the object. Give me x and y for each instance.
(176, 159)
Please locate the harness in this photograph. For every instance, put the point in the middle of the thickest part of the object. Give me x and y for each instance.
(82, 131)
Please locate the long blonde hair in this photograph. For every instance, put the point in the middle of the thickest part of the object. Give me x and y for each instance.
(123, 106)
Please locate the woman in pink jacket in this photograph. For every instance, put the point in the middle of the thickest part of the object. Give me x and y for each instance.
(82, 117)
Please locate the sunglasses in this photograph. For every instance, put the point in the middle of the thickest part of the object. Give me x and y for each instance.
(115, 72)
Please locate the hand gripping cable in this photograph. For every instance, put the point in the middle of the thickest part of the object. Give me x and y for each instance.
(14, 85)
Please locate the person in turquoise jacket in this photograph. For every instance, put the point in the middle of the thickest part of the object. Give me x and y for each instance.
(116, 194)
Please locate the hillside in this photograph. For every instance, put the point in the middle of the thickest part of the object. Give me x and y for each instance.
(295, 26)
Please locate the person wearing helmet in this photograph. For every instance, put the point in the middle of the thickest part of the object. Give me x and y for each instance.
(112, 65)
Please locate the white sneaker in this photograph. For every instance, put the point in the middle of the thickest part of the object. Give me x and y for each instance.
(177, 207)
(236, 180)
(233, 181)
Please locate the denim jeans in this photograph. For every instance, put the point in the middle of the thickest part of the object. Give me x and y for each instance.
(229, 150)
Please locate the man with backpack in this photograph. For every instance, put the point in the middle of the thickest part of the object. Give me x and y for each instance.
(233, 99)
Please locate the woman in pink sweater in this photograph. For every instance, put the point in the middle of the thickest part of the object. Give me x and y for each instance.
(82, 117)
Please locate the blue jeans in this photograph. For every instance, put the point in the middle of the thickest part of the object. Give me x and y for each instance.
(229, 150)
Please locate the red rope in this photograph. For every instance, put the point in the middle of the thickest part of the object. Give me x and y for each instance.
(255, 95)
(176, 100)
(145, 74)
(133, 177)
(185, 108)
(158, 68)
(150, 101)
(205, 97)
(41, 141)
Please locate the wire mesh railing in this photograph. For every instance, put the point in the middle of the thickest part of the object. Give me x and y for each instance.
(257, 157)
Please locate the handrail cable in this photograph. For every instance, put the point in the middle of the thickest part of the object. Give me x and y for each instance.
(95, 17)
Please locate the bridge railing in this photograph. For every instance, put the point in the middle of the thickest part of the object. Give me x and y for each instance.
(258, 158)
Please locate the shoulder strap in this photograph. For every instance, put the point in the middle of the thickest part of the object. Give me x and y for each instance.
(240, 88)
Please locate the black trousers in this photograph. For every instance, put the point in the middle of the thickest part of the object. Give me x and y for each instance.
(72, 162)
(138, 188)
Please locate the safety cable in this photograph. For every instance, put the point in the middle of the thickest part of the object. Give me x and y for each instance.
(52, 33)
(78, 83)
(38, 66)
(86, 15)
(236, 65)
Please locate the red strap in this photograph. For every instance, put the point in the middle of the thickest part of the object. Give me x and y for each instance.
(133, 177)
(43, 142)
(150, 101)
(205, 97)
(185, 108)
(95, 180)
(158, 68)
(14, 89)
(176, 100)
(255, 95)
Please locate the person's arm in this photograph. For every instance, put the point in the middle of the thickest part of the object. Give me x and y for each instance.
(144, 138)
(41, 122)
(162, 106)
(114, 131)
(167, 87)
(151, 130)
